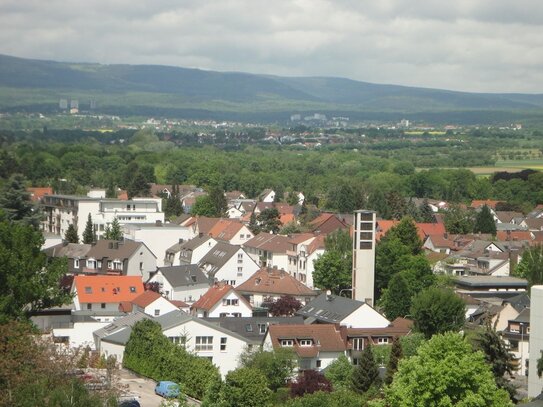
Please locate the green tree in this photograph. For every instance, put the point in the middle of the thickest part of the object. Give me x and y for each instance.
(395, 356)
(269, 221)
(204, 207)
(407, 233)
(278, 365)
(172, 205)
(114, 232)
(366, 373)
(245, 387)
(216, 196)
(484, 222)
(411, 343)
(71, 235)
(253, 225)
(332, 272)
(396, 299)
(437, 310)
(29, 281)
(337, 398)
(339, 241)
(457, 220)
(445, 372)
(88, 233)
(425, 212)
(138, 185)
(531, 265)
(340, 372)
(16, 204)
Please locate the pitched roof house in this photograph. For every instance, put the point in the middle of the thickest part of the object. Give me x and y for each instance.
(74, 252)
(182, 283)
(269, 284)
(105, 292)
(230, 231)
(327, 223)
(150, 303)
(270, 250)
(221, 300)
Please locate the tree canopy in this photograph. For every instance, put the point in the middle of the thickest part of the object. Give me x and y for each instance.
(484, 222)
(531, 265)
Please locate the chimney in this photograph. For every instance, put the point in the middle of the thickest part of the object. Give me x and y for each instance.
(329, 296)
(200, 234)
(181, 240)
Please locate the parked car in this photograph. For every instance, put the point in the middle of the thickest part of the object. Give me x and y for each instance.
(129, 403)
(167, 389)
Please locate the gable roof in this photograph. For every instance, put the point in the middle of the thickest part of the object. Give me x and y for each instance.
(69, 250)
(205, 224)
(37, 193)
(120, 323)
(398, 327)
(215, 294)
(107, 289)
(225, 229)
(327, 223)
(426, 229)
(519, 302)
(300, 237)
(113, 249)
(269, 242)
(480, 203)
(325, 338)
(329, 309)
(507, 235)
(146, 298)
(274, 281)
(218, 256)
(534, 223)
(185, 275)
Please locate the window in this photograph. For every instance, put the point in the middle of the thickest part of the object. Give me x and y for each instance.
(287, 342)
(204, 343)
(232, 282)
(88, 290)
(366, 245)
(99, 264)
(223, 314)
(127, 207)
(109, 264)
(91, 264)
(240, 271)
(89, 306)
(76, 263)
(318, 363)
(262, 329)
(117, 265)
(366, 236)
(249, 327)
(236, 314)
(103, 305)
(157, 312)
(193, 278)
(358, 343)
(223, 344)
(228, 301)
(241, 236)
(382, 340)
(306, 342)
(141, 265)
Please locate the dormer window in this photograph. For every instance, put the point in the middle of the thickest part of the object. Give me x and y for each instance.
(306, 342)
(88, 290)
(287, 342)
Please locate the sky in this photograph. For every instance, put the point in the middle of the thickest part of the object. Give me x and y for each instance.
(468, 45)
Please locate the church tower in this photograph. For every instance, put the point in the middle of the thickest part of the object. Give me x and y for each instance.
(364, 256)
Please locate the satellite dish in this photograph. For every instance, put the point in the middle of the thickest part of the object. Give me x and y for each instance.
(328, 292)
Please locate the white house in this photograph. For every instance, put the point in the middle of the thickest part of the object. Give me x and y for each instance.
(228, 263)
(181, 283)
(150, 303)
(316, 346)
(157, 237)
(268, 195)
(191, 251)
(104, 293)
(221, 300)
(304, 249)
(269, 250)
(230, 231)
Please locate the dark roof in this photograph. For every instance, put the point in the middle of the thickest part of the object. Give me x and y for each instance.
(194, 242)
(218, 256)
(179, 276)
(331, 309)
(490, 281)
(523, 317)
(70, 250)
(274, 281)
(269, 242)
(113, 249)
(519, 302)
(248, 327)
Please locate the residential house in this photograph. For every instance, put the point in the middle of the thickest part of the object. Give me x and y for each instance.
(268, 195)
(150, 303)
(190, 251)
(221, 300)
(126, 257)
(63, 210)
(304, 249)
(269, 284)
(533, 224)
(188, 200)
(200, 225)
(157, 237)
(333, 309)
(230, 231)
(316, 346)
(327, 223)
(517, 336)
(228, 263)
(37, 193)
(269, 250)
(494, 284)
(75, 253)
(181, 283)
(357, 339)
(477, 204)
(104, 292)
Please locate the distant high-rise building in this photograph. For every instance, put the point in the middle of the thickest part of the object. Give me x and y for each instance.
(364, 256)
(63, 104)
(295, 117)
(74, 104)
(92, 104)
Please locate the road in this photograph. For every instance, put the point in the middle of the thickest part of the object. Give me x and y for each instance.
(144, 388)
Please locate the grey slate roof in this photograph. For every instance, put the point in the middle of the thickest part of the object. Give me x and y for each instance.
(490, 281)
(120, 337)
(119, 324)
(114, 250)
(70, 250)
(523, 317)
(519, 302)
(330, 309)
(179, 276)
(248, 327)
(218, 256)
(194, 242)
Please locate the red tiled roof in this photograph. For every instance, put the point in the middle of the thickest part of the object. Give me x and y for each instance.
(36, 193)
(107, 289)
(507, 235)
(225, 229)
(383, 226)
(286, 218)
(146, 298)
(269, 242)
(122, 195)
(180, 304)
(274, 281)
(479, 203)
(325, 338)
(300, 237)
(213, 296)
(426, 229)
(316, 244)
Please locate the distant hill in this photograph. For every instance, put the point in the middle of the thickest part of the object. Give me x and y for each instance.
(35, 85)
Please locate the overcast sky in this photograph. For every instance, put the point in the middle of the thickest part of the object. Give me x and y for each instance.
(470, 45)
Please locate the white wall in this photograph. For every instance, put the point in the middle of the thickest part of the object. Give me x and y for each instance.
(535, 384)
(226, 360)
(229, 272)
(162, 305)
(185, 293)
(243, 235)
(158, 239)
(112, 349)
(142, 255)
(242, 307)
(199, 253)
(81, 333)
(365, 317)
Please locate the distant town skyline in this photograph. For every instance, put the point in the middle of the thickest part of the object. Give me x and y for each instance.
(467, 45)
